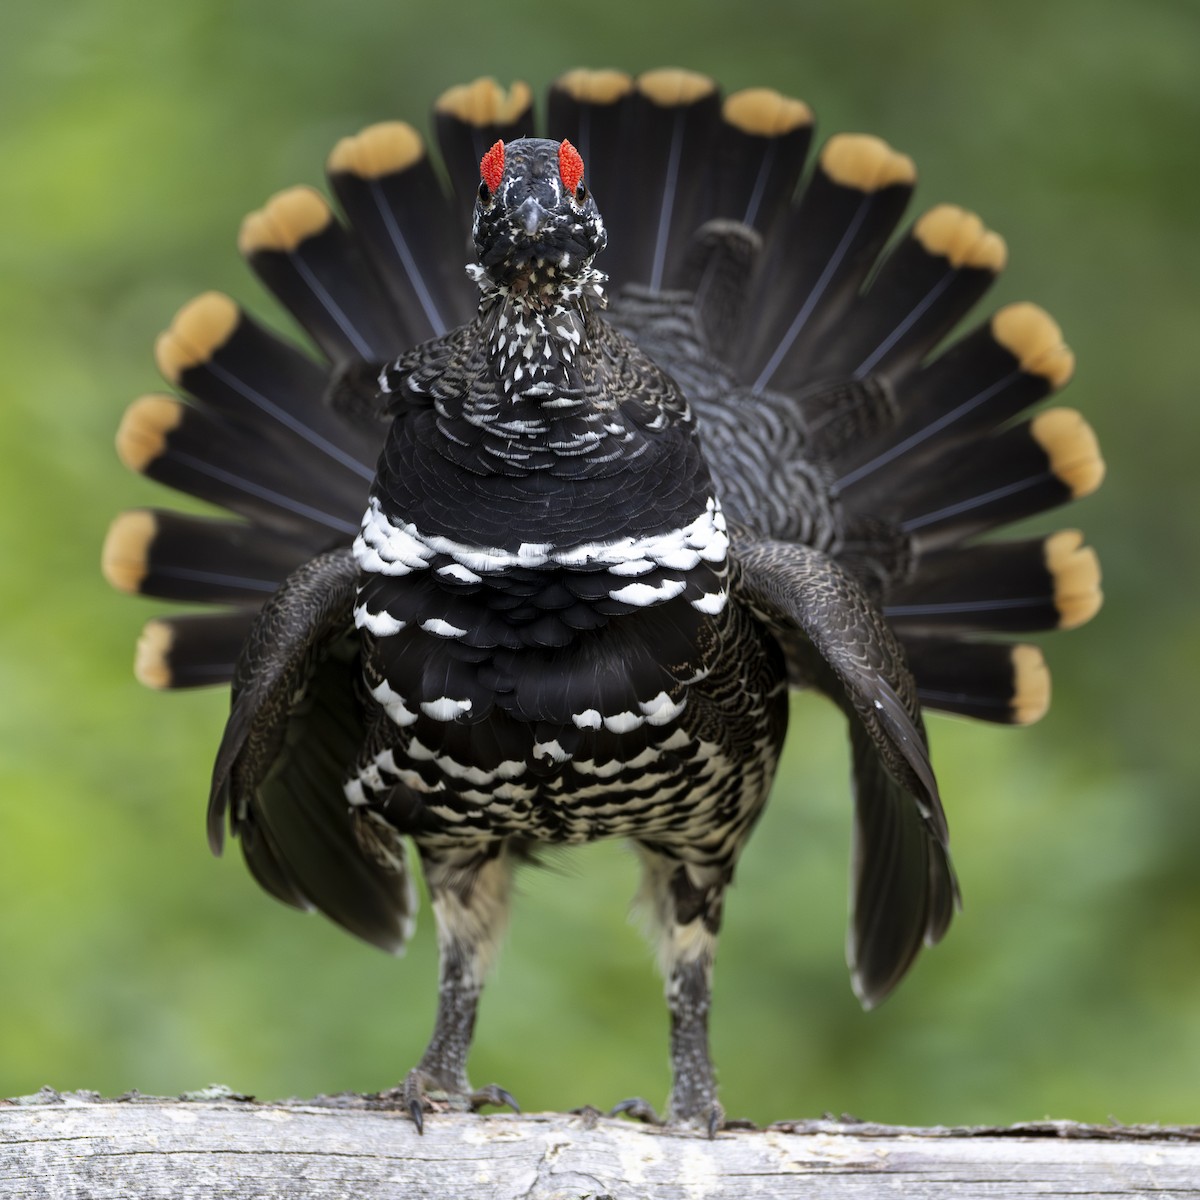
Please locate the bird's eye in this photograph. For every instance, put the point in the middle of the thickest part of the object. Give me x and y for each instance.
(581, 193)
(485, 193)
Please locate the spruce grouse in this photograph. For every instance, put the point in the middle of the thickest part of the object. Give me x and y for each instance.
(532, 552)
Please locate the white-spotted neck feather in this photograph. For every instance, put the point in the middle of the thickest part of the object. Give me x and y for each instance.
(535, 329)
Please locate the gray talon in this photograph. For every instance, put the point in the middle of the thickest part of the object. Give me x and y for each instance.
(638, 1110)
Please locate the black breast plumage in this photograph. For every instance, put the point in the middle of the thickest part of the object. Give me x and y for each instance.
(544, 584)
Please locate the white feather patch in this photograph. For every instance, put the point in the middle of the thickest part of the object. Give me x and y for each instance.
(459, 573)
(381, 624)
(662, 710)
(588, 719)
(711, 603)
(642, 595)
(445, 709)
(623, 722)
(551, 750)
(393, 704)
(440, 628)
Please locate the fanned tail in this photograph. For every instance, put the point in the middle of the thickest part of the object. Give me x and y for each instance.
(799, 282)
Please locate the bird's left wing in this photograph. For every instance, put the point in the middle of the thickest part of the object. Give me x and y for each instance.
(904, 890)
(294, 733)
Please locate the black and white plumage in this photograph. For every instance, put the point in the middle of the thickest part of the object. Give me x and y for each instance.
(533, 556)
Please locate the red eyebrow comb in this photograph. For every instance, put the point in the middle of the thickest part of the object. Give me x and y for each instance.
(491, 167)
(570, 166)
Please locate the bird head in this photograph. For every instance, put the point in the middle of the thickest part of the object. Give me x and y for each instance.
(536, 224)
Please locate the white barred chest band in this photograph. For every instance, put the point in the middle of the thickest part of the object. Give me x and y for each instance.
(385, 548)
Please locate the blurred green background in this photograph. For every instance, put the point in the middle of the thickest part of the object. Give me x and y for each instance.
(133, 139)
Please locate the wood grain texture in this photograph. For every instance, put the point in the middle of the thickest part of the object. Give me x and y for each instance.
(55, 1147)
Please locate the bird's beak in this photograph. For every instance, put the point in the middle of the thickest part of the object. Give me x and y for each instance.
(531, 216)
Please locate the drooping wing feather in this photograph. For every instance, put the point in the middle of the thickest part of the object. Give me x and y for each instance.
(295, 730)
(904, 890)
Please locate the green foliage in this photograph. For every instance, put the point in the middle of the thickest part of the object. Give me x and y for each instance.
(134, 138)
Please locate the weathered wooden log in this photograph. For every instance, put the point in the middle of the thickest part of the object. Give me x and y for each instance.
(77, 1145)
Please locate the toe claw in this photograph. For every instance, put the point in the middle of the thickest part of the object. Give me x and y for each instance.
(414, 1098)
(638, 1109)
(495, 1095)
(716, 1120)
(420, 1093)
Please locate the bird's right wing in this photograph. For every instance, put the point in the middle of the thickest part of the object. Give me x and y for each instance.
(904, 890)
(294, 733)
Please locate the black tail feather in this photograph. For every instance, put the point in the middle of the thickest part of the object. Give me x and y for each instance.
(211, 560)
(192, 650)
(924, 287)
(671, 120)
(718, 271)
(226, 463)
(761, 149)
(228, 361)
(410, 231)
(825, 249)
(1026, 469)
(591, 109)
(983, 380)
(1000, 587)
(989, 681)
(312, 264)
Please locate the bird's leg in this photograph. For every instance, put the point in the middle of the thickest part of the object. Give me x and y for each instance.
(685, 902)
(470, 896)
(693, 1084)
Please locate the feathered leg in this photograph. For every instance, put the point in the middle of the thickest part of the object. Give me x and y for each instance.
(685, 902)
(469, 890)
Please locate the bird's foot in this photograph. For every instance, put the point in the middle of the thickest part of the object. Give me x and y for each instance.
(708, 1117)
(421, 1093)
